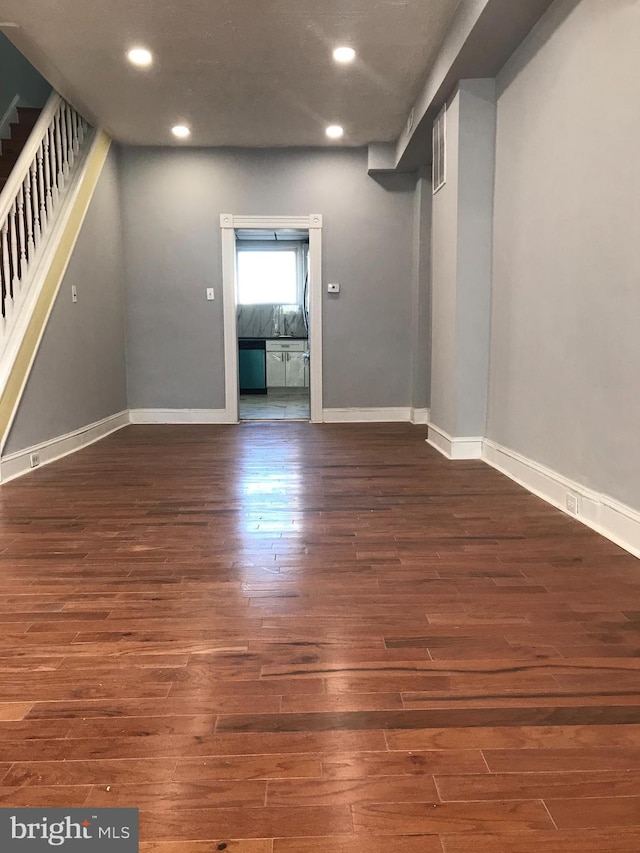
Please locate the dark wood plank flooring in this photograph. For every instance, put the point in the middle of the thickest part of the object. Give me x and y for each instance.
(288, 638)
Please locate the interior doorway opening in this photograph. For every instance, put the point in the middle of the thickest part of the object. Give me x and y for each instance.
(272, 323)
(234, 227)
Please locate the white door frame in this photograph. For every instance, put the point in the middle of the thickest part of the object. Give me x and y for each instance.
(228, 223)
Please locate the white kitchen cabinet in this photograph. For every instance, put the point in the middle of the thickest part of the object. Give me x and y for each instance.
(276, 369)
(287, 364)
(296, 373)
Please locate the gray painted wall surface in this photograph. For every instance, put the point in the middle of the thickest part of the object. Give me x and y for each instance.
(79, 373)
(565, 349)
(171, 216)
(444, 273)
(476, 162)
(421, 303)
(19, 77)
(461, 281)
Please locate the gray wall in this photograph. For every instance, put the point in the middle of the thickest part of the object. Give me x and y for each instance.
(421, 303)
(18, 77)
(476, 162)
(79, 373)
(444, 274)
(461, 280)
(171, 215)
(565, 347)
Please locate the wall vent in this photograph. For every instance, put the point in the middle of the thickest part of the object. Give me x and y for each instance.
(440, 150)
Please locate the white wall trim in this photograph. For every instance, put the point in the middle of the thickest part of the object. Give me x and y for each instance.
(610, 518)
(313, 223)
(397, 414)
(420, 416)
(315, 318)
(231, 380)
(16, 464)
(468, 447)
(180, 416)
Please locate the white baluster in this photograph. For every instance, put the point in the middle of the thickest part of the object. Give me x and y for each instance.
(28, 216)
(53, 187)
(6, 269)
(21, 234)
(35, 203)
(73, 131)
(13, 236)
(67, 122)
(46, 160)
(59, 160)
(75, 118)
(65, 144)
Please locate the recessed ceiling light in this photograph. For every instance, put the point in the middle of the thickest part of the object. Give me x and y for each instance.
(140, 56)
(181, 131)
(344, 54)
(334, 131)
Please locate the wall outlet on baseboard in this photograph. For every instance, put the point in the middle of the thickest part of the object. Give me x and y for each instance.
(34, 460)
(573, 503)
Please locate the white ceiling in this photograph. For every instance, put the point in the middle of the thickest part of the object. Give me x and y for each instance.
(240, 72)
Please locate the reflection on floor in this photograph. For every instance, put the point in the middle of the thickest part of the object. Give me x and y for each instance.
(282, 404)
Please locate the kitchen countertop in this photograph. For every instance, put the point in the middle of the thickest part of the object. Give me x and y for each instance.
(274, 338)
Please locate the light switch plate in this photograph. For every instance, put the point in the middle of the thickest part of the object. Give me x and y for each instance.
(210, 294)
(333, 288)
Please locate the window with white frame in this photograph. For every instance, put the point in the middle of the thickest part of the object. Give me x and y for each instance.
(270, 274)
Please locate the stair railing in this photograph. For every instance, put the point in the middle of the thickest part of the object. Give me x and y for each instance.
(31, 199)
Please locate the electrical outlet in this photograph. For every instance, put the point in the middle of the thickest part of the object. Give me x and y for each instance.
(573, 503)
(34, 460)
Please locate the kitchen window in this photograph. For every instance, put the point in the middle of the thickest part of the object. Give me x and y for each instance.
(269, 275)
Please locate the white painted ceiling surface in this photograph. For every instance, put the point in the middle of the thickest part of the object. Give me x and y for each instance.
(239, 72)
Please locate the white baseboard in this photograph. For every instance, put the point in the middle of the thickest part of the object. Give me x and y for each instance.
(420, 416)
(399, 414)
(606, 516)
(16, 464)
(454, 448)
(180, 416)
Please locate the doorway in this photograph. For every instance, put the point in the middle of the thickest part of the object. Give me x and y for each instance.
(272, 323)
(273, 338)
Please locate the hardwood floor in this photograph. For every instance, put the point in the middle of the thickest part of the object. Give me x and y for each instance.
(288, 638)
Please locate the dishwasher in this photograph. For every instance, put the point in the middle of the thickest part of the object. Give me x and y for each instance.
(252, 366)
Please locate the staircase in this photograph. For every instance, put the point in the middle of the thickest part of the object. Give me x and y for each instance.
(36, 165)
(11, 148)
(48, 170)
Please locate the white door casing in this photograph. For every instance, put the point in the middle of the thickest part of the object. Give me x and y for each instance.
(228, 224)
